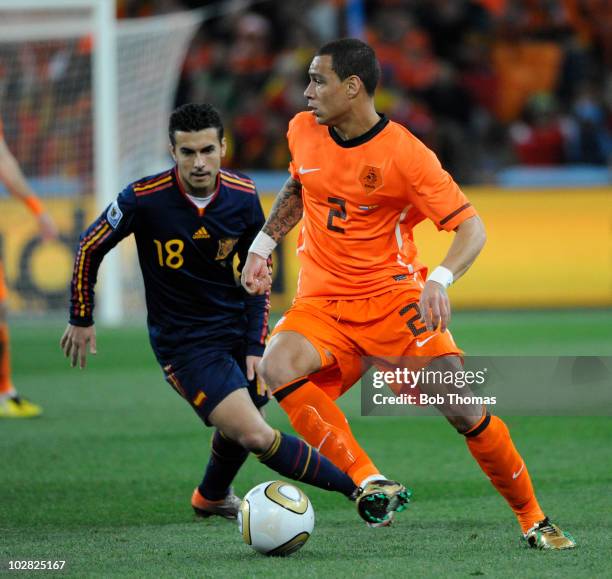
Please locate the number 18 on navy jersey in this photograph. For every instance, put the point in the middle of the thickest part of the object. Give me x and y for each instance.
(186, 255)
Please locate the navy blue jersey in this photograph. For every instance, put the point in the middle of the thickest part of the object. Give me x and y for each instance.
(186, 255)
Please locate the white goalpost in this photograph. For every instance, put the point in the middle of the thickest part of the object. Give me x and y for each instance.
(95, 94)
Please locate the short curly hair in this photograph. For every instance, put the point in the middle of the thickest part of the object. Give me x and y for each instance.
(194, 117)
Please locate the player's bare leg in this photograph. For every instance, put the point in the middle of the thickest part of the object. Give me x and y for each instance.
(288, 356)
(287, 362)
(489, 442)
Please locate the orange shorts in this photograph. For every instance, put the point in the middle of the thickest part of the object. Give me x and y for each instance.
(3, 290)
(350, 335)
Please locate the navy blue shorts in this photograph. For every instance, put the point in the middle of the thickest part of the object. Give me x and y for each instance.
(211, 375)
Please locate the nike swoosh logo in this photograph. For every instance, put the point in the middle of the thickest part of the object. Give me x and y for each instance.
(422, 343)
(516, 474)
(303, 171)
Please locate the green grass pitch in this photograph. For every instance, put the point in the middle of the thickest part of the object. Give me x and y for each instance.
(103, 480)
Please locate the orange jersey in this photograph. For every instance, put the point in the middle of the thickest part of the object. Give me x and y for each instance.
(362, 198)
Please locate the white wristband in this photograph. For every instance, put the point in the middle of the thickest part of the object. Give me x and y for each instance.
(263, 245)
(441, 275)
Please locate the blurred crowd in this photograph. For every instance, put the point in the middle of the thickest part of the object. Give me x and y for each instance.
(485, 83)
(46, 105)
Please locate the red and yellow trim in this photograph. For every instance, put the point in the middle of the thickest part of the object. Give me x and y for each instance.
(237, 183)
(97, 236)
(153, 186)
(174, 382)
(267, 454)
(144, 185)
(149, 191)
(307, 461)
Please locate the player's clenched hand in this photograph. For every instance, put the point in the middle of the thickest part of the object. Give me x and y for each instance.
(74, 343)
(435, 306)
(256, 278)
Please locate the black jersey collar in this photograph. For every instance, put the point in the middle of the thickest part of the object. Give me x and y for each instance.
(361, 139)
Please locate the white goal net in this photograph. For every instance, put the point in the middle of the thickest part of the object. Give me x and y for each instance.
(49, 106)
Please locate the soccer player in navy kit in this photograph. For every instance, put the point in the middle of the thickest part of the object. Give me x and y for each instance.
(207, 333)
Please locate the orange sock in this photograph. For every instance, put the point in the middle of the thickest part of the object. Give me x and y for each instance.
(490, 444)
(316, 417)
(6, 385)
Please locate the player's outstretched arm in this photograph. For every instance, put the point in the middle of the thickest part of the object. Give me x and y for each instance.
(286, 213)
(75, 342)
(470, 237)
(469, 240)
(17, 185)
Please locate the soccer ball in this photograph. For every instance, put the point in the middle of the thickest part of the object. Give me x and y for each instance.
(276, 518)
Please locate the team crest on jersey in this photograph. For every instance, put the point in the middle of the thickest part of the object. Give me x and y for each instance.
(114, 214)
(371, 178)
(225, 247)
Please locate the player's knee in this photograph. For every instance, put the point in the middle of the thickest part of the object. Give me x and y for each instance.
(274, 373)
(288, 357)
(256, 440)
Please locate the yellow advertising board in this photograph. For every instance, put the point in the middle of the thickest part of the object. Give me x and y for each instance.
(38, 273)
(545, 249)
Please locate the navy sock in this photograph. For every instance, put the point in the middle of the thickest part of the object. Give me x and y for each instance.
(293, 458)
(226, 458)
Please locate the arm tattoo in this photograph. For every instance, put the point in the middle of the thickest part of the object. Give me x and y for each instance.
(286, 211)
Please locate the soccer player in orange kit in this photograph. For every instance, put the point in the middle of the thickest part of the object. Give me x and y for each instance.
(11, 404)
(361, 183)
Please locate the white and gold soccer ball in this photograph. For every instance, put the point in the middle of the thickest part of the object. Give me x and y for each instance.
(276, 518)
